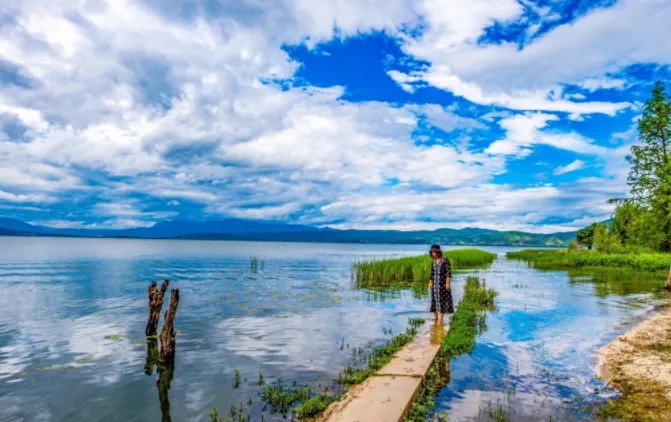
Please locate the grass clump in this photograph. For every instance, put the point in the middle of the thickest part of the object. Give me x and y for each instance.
(566, 259)
(281, 399)
(314, 406)
(413, 269)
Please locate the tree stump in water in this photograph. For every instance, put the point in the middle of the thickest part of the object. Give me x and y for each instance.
(155, 305)
(168, 332)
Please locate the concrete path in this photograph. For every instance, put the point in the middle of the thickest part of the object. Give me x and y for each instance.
(388, 395)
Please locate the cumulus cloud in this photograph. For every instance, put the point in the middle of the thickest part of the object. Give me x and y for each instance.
(582, 53)
(138, 111)
(523, 131)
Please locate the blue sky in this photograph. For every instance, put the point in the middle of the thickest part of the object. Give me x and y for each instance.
(503, 114)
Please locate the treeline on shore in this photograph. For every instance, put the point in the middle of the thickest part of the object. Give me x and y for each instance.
(638, 236)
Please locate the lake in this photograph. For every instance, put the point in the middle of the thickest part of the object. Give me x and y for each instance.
(73, 313)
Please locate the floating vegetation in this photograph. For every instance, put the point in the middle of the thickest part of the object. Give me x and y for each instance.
(85, 359)
(260, 382)
(413, 269)
(256, 264)
(115, 337)
(236, 379)
(24, 373)
(140, 341)
(562, 259)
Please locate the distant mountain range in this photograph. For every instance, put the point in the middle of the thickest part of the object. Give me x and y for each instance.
(239, 229)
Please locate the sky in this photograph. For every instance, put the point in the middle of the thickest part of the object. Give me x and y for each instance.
(369, 114)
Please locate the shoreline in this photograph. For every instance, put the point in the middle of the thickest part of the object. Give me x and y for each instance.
(637, 364)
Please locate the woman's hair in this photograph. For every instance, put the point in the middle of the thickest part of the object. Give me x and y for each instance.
(436, 249)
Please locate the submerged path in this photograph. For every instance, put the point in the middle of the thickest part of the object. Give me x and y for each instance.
(387, 395)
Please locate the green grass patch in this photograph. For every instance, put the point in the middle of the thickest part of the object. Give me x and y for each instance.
(315, 406)
(469, 318)
(565, 259)
(413, 269)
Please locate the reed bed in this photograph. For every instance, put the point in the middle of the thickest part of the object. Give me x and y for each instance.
(563, 259)
(413, 269)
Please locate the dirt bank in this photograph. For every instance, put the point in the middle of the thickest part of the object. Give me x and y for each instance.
(638, 365)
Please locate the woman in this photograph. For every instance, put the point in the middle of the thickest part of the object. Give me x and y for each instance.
(439, 284)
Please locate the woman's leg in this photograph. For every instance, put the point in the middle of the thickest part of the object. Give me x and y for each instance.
(440, 318)
(435, 316)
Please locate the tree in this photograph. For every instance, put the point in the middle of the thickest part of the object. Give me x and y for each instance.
(650, 175)
(605, 241)
(585, 236)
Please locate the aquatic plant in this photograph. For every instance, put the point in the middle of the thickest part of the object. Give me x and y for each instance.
(84, 359)
(468, 320)
(115, 337)
(255, 264)
(413, 269)
(236, 379)
(315, 405)
(281, 399)
(565, 259)
(379, 356)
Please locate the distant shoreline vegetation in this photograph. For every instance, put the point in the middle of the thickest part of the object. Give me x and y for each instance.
(413, 269)
(566, 259)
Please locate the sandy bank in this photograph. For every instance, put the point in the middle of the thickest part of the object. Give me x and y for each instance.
(638, 365)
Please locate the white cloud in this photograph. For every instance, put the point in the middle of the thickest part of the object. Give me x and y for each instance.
(523, 131)
(215, 133)
(24, 198)
(595, 84)
(575, 165)
(581, 52)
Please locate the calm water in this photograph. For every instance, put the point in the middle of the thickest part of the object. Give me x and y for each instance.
(285, 318)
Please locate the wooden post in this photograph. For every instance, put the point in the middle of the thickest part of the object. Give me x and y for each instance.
(155, 305)
(168, 332)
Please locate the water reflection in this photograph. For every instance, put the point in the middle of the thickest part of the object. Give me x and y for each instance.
(166, 372)
(65, 299)
(537, 359)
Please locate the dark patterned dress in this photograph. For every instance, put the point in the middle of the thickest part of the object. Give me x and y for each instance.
(441, 297)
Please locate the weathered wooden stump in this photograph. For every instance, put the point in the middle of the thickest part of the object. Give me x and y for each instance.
(168, 333)
(155, 305)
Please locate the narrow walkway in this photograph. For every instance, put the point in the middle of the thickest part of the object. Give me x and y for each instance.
(388, 395)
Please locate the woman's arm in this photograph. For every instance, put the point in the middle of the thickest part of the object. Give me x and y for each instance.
(448, 272)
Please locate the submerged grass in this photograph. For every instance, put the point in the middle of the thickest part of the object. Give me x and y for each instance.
(466, 323)
(563, 259)
(413, 269)
(379, 356)
(300, 401)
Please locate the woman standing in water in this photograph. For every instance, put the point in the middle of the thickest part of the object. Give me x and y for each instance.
(439, 284)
